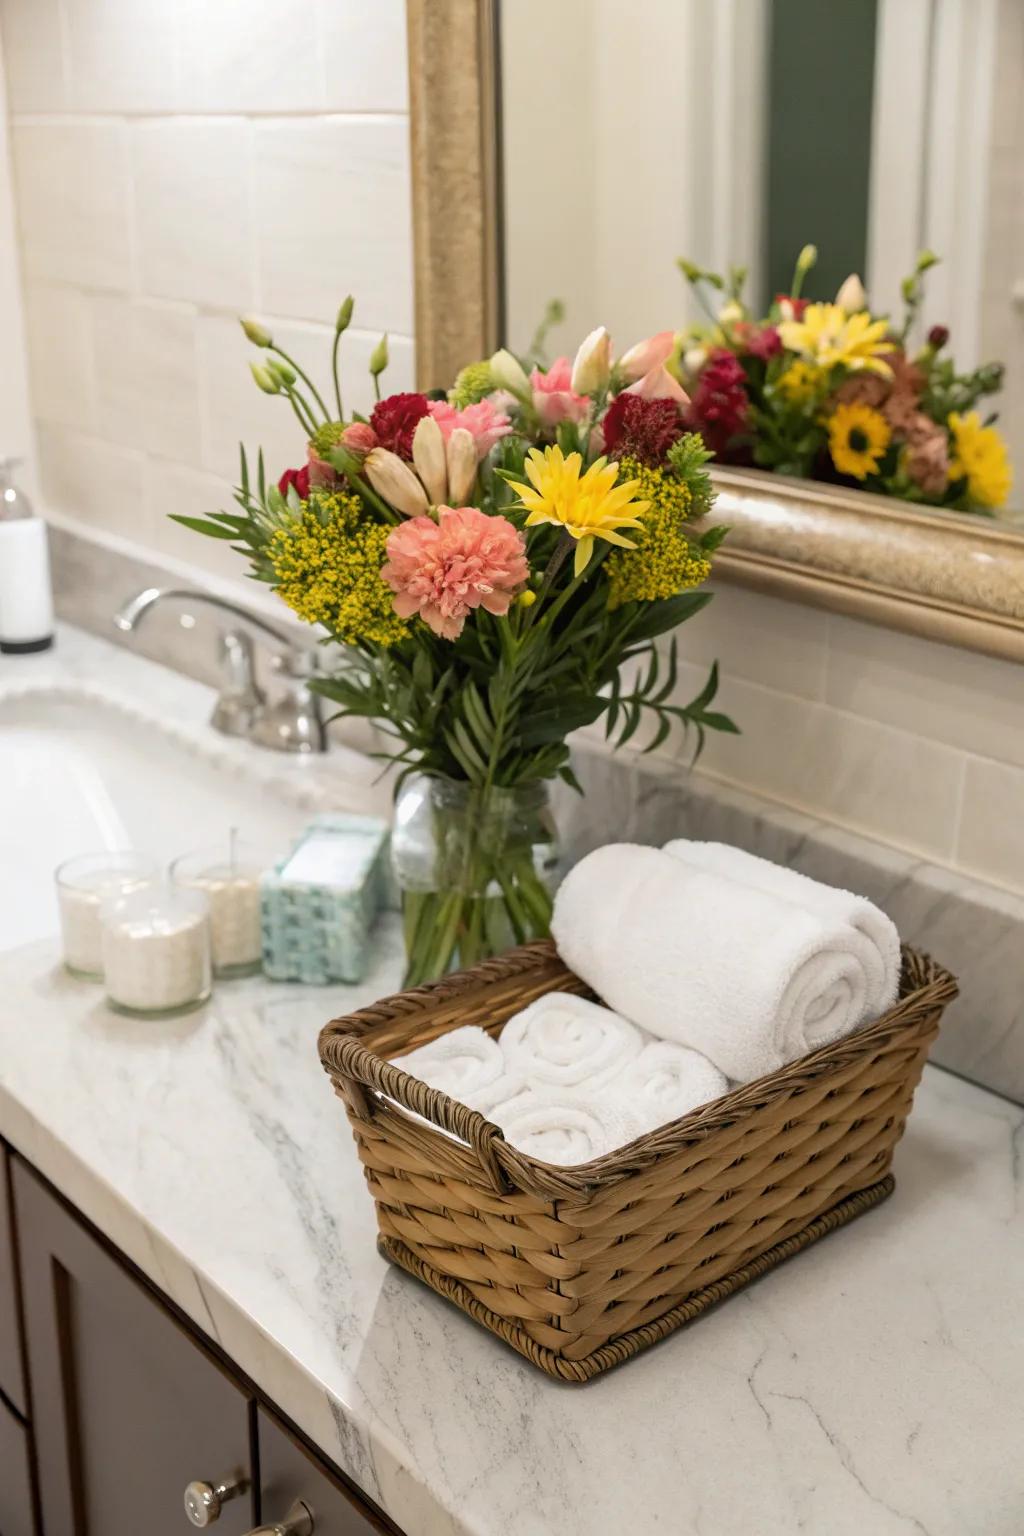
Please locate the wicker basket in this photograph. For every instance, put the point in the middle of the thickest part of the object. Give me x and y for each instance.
(580, 1268)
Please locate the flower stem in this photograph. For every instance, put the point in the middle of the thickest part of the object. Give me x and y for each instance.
(304, 376)
(334, 371)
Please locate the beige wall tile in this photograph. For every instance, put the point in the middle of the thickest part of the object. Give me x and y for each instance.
(991, 840)
(255, 56)
(72, 197)
(364, 55)
(147, 376)
(124, 55)
(939, 692)
(94, 482)
(333, 195)
(823, 761)
(192, 211)
(760, 638)
(170, 488)
(33, 55)
(60, 355)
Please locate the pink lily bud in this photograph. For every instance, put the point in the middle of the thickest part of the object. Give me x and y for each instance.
(593, 365)
(658, 384)
(461, 465)
(428, 456)
(640, 359)
(392, 478)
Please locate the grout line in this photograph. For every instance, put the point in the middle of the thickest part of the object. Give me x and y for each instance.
(72, 118)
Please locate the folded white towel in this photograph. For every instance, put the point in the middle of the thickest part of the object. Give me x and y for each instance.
(464, 1063)
(750, 981)
(665, 1082)
(564, 1127)
(875, 937)
(562, 1040)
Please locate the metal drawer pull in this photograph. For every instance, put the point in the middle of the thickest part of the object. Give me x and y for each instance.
(203, 1500)
(297, 1522)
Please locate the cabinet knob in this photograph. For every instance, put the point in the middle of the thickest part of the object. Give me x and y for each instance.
(297, 1522)
(203, 1500)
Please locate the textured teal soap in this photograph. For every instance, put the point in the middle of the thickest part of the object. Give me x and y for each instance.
(318, 905)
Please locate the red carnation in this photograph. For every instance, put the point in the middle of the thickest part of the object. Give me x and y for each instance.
(642, 429)
(720, 406)
(297, 477)
(763, 342)
(395, 420)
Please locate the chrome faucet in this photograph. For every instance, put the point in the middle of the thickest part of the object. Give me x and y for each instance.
(293, 722)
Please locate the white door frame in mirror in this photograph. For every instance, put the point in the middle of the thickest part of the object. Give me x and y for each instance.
(954, 579)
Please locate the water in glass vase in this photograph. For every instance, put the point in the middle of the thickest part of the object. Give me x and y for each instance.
(477, 867)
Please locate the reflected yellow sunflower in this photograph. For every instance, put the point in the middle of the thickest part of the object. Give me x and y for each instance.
(980, 457)
(857, 439)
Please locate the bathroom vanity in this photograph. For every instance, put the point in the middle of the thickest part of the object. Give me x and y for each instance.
(204, 1301)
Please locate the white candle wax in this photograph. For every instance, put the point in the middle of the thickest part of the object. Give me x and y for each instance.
(83, 884)
(155, 961)
(234, 897)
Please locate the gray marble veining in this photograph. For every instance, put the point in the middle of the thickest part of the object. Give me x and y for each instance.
(875, 1384)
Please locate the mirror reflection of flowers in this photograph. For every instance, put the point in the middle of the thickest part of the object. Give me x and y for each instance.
(500, 562)
(832, 391)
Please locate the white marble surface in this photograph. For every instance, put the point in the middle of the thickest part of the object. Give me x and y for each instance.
(875, 1384)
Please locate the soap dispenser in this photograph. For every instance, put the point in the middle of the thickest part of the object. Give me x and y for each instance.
(26, 600)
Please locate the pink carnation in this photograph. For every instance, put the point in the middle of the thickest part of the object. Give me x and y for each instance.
(483, 421)
(553, 397)
(444, 570)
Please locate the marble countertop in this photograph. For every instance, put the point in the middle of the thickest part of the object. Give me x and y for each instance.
(875, 1384)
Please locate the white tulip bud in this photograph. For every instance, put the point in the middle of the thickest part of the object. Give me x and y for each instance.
(730, 312)
(507, 372)
(461, 466)
(851, 296)
(428, 456)
(392, 478)
(593, 365)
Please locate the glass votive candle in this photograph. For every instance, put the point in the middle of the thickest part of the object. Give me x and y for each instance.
(230, 878)
(156, 950)
(83, 884)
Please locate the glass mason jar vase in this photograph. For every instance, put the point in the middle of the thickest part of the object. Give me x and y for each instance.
(477, 868)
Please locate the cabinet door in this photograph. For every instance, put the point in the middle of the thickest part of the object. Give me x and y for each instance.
(127, 1409)
(288, 1473)
(11, 1383)
(17, 1516)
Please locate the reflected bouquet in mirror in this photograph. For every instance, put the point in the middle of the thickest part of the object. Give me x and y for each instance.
(499, 562)
(832, 391)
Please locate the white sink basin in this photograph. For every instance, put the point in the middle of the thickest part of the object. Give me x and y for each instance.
(79, 775)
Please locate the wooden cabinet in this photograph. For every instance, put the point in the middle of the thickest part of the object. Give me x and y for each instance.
(12, 1384)
(288, 1473)
(127, 1408)
(17, 1512)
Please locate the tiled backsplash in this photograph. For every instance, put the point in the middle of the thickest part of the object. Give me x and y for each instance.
(914, 743)
(175, 165)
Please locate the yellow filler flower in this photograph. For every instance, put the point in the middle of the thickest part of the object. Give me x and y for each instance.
(588, 507)
(830, 337)
(857, 439)
(980, 457)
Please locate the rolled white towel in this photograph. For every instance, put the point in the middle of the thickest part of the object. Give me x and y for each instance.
(750, 981)
(666, 1081)
(566, 1127)
(875, 937)
(562, 1040)
(464, 1063)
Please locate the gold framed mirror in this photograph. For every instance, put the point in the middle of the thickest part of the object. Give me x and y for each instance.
(955, 579)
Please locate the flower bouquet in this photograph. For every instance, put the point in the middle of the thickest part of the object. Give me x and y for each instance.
(498, 564)
(833, 392)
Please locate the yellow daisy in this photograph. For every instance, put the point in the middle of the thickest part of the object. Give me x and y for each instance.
(588, 507)
(801, 383)
(830, 337)
(980, 457)
(857, 439)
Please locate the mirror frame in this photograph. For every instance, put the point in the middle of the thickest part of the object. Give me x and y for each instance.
(955, 579)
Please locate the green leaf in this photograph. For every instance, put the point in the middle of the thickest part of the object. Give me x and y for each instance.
(203, 525)
(657, 618)
(718, 722)
(711, 538)
(566, 774)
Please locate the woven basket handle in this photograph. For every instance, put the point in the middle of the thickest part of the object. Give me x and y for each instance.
(345, 1057)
